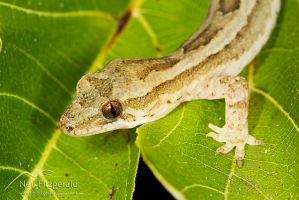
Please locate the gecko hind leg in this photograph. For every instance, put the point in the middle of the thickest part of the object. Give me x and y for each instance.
(235, 131)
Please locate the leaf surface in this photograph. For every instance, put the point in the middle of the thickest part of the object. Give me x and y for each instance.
(183, 158)
(46, 46)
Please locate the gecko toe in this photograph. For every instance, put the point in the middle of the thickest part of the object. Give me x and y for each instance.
(253, 141)
(212, 135)
(217, 137)
(240, 154)
(224, 149)
(216, 129)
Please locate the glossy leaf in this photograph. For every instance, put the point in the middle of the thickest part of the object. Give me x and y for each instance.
(46, 46)
(183, 158)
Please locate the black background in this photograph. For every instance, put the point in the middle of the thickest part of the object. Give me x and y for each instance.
(147, 186)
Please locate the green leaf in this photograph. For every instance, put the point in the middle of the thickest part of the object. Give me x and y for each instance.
(181, 156)
(46, 46)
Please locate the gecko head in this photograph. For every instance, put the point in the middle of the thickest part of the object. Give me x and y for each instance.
(94, 110)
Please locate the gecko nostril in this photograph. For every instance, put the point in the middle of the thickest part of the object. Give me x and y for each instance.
(69, 128)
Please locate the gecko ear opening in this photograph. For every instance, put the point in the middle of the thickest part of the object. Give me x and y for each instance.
(112, 109)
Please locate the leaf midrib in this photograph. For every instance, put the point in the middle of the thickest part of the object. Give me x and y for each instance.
(53, 140)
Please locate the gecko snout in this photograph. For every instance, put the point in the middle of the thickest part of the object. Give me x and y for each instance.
(65, 126)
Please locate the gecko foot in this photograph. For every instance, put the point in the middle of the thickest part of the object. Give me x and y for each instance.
(233, 138)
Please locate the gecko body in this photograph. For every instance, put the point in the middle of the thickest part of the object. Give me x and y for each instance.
(130, 92)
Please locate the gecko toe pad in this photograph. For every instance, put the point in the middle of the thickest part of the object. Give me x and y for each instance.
(233, 139)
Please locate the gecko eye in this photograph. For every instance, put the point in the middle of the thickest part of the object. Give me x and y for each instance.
(111, 109)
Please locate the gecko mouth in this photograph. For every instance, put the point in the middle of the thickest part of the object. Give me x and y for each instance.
(83, 128)
(93, 125)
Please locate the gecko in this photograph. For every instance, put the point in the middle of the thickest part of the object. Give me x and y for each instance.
(130, 92)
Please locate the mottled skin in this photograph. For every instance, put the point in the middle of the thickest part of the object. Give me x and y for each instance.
(205, 67)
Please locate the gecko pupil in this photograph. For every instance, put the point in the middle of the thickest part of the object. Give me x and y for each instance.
(111, 109)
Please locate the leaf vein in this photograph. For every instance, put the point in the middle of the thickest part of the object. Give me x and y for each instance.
(46, 114)
(1, 45)
(12, 168)
(147, 27)
(79, 166)
(66, 57)
(50, 188)
(86, 13)
(129, 165)
(206, 165)
(201, 145)
(99, 59)
(44, 68)
(201, 186)
(268, 96)
(265, 161)
(277, 197)
(39, 167)
(277, 105)
(252, 186)
(173, 129)
(228, 183)
(278, 50)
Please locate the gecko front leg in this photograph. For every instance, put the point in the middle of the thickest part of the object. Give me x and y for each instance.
(235, 131)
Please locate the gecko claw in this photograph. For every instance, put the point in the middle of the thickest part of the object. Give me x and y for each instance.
(239, 163)
(252, 141)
